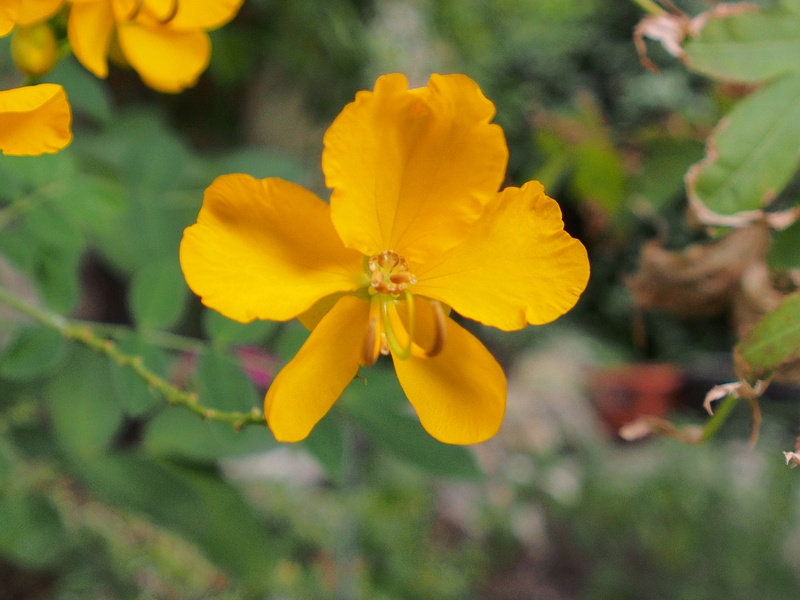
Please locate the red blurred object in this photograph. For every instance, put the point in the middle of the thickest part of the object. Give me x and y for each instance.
(622, 394)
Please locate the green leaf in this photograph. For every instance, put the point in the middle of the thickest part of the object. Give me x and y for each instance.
(31, 532)
(87, 95)
(83, 407)
(376, 406)
(405, 438)
(192, 502)
(92, 203)
(135, 396)
(222, 383)
(750, 47)
(784, 253)
(774, 341)
(158, 294)
(34, 352)
(753, 153)
(225, 332)
(326, 443)
(179, 433)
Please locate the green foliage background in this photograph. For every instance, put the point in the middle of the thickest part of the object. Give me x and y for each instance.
(106, 490)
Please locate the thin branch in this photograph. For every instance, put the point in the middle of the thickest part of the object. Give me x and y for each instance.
(83, 334)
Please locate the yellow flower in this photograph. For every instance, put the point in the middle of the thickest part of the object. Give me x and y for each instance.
(25, 12)
(34, 120)
(415, 226)
(165, 41)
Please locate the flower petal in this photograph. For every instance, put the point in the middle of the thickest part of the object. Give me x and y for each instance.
(166, 60)
(265, 249)
(411, 170)
(459, 394)
(518, 266)
(34, 120)
(204, 14)
(31, 12)
(89, 30)
(9, 9)
(306, 388)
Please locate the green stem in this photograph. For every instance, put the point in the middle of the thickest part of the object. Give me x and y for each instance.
(650, 6)
(721, 415)
(83, 334)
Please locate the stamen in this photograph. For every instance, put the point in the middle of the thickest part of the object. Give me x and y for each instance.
(399, 350)
(171, 14)
(137, 8)
(368, 353)
(440, 329)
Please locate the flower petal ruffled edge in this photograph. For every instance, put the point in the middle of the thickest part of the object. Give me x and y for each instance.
(459, 394)
(306, 388)
(411, 170)
(265, 249)
(518, 266)
(34, 120)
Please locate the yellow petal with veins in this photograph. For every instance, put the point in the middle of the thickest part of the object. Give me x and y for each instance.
(265, 249)
(34, 120)
(518, 266)
(306, 388)
(166, 60)
(411, 170)
(459, 394)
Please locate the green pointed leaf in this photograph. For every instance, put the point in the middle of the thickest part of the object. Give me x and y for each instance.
(774, 341)
(753, 152)
(83, 407)
(34, 352)
(749, 47)
(31, 532)
(158, 294)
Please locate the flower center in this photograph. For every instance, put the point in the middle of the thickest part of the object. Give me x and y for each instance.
(389, 274)
(392, 313)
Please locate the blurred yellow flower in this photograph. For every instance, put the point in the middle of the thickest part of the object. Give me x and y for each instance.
(164, 41)
(415, 226)
(25, 12)
(34, 120)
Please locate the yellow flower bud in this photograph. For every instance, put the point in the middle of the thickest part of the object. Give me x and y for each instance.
(34, 49)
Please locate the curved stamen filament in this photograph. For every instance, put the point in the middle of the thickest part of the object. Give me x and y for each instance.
(138, 5)
(171, 14)
(440, 329)
(137, 8)
(398, 349)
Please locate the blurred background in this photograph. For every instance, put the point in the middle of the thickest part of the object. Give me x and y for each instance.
(107, 492)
